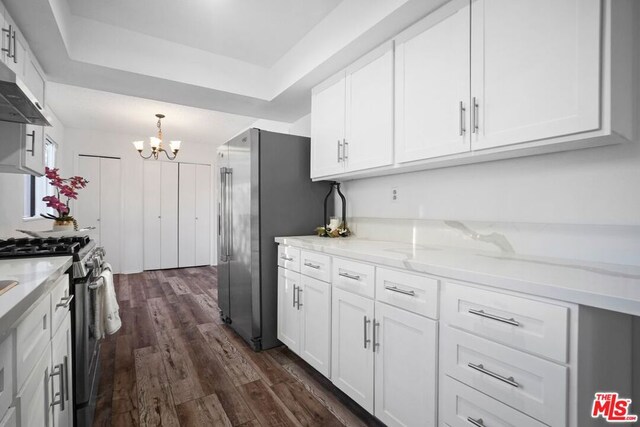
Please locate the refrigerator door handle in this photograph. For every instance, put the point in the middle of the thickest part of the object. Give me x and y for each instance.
(229, 232)
(222, 223)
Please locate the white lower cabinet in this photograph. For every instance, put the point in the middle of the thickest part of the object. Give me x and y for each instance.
(352, 346)
(34, 399)
(61, 381)
(288, 323)
(405, 367)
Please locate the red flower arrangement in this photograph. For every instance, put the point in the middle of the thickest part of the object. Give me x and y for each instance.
(67, 187)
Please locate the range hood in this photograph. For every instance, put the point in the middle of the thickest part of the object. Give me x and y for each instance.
(17, 103)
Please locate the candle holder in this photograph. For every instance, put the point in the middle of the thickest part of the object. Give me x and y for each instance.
(330, 228)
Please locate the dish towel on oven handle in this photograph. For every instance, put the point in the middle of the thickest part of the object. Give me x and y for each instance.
(106, 310)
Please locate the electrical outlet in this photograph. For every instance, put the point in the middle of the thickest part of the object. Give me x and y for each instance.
(394, 194)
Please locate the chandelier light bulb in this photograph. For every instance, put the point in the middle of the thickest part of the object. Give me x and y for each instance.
(139, 145)
(154, 142)
(175, 145)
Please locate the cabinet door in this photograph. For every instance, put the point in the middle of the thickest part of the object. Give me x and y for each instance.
(187, 223)
(315, 323)
(351, 349)
(152, 218)
(535, 69)
(432, 85)
(88, 205)
(288, 313)
(406, 370)
(169, 215)
(110, 216)
(327, 128)
(34, 149)
(34, 81)
(61, 381)
(34, 399)
(203, 215)
(18, 46)
(369, 111)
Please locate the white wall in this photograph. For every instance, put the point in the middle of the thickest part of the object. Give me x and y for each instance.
(12, 190)
(119, 145)
(590, 186)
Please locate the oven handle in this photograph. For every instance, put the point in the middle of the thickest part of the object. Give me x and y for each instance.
(96, 283)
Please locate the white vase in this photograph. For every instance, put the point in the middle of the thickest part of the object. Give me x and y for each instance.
(63, 225)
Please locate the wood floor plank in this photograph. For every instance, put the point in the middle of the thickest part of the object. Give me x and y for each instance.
(204, 411)
(201, 312)
(123, 289)
(178, 285)
(238, 368)
(162, 314)
(268, 409)
(152, 286)
(156, 406)
(125, 391)
(103, 415)
(304, 405)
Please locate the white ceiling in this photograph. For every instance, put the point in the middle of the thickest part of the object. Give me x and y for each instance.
(83, 108)
(256, 31)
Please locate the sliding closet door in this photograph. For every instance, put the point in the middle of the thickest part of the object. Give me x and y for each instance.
(152, 216)
(110, 213)
(87, 207)
(169, 213)
(203, 215)
(187, 213)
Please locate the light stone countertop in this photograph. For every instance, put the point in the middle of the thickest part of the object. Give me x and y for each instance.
(608, 286)
(35, 277)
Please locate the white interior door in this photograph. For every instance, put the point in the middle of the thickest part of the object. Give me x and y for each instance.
(327, 128)
(432, 85)
(369, 111)
(352, 352)
(535, 68)
(110, 215)
(169, 215)
(406, 368)
(88, 204)
(186, 222)
(152, 216)
(288, 313)
(203, 215)
(315, 324)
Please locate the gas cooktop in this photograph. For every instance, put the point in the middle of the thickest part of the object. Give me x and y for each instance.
(41, 247)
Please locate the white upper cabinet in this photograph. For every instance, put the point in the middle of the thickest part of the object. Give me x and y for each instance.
(432, 85)
(535, 69)
(352, 117)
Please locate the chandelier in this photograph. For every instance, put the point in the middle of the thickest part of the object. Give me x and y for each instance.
(156, 144)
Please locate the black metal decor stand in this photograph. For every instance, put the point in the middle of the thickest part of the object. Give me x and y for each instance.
(344, 205)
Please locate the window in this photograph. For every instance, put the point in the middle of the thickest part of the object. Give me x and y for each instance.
(38, 187)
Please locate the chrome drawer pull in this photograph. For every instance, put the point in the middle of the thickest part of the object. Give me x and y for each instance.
(294, 296)
(308, 264)
(481, 368)
(349, 276)
(481, 313)
(477, 423)
(400, 291)
(66, 303)
(286, 258)
(366, 340)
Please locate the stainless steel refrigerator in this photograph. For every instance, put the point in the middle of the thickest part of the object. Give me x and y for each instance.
(264, 191)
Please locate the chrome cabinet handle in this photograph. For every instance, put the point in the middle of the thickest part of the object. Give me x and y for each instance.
(477, 423)
(463, 114)
(345, 153)
(33, 143)
(66, 303)
(315, 266)
(66, 378)
(366, 340)
(349, 276)
(482, 313)
(294, 296)
(339, 151)
(400, 291)
(474, 116)
(286, 258)
(58, 371)
(298, 302)
(8, 49)
(482, 369)
(375, 343)
(15, 57)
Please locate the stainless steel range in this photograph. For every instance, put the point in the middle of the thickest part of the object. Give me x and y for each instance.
(87, 266)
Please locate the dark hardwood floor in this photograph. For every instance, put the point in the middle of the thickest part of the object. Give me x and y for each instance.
(174, 363)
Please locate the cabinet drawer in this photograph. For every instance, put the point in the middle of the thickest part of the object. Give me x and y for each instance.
(315, 265)
(32, 337)
(530, 325)
(6, 373)
(460, 405)
(354, 277)
(409, 291)
(289, 258)
(9, 419)
(60, 302)
(528, 383)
